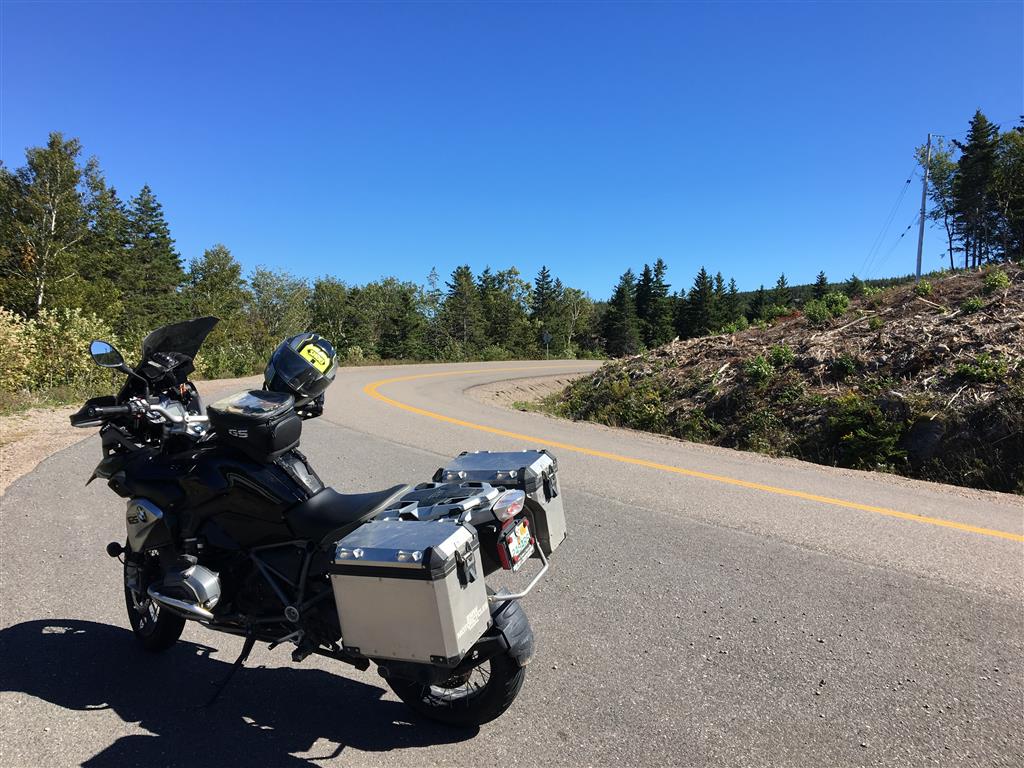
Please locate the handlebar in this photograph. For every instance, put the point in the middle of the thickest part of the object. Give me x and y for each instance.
(112, 410)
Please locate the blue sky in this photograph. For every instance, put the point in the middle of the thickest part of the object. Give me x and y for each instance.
(365, 140)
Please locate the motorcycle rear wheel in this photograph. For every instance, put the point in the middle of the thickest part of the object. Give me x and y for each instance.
(154, 629)
(473, 699)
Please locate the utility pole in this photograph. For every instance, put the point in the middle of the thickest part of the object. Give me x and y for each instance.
(924, 200)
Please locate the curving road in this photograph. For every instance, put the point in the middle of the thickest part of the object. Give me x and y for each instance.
(710, 608)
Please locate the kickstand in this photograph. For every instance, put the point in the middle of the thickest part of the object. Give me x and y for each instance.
(250, 642)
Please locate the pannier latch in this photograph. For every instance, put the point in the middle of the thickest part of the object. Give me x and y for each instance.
(465, 567)
(550, 486)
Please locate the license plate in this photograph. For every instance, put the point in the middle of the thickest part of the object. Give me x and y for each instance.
(518, 544)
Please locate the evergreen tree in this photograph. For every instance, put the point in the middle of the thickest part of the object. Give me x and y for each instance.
(1008, 190)
(153, 270)
(758, 305)
(719, 309)
(733, 312)
(973, 199)
(546, 306)
(461, 315)
(854, 287)
(681, 315)
(505, 302)
(621, 327)
(660, 314)
(780, 294)
(399, 329)
(214, 286)
(543, 298)
(702, 305)
(820, 285)
(644, 303)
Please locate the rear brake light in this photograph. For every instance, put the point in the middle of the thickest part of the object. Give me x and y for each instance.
(508, 505)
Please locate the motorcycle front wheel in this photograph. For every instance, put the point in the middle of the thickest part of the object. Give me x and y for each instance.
(154, 629)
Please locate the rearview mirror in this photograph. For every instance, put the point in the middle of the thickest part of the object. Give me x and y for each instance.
(104, 355)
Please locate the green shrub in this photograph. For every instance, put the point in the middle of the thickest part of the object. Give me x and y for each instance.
(836, 303)
(736, 326)
(972, 305)
(863, 437)
(758, 369)
(817, 313)
(494, 352)
(984, 369)
(61, 350)
(875, 323)
(776, 311)
(763, 431)
(616, 400)
(17, 341)
(996, 280)
(222, 357)
(844, 365)
(780, 356)
(694, 425)
(923, 288)
(820, 311)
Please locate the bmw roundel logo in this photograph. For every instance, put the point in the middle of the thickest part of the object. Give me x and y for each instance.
(141, 513)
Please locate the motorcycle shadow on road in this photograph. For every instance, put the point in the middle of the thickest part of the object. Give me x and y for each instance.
(267, 716)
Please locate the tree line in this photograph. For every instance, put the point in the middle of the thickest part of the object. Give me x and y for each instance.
(69, 243)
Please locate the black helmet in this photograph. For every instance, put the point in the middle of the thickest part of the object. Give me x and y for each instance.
(303, 366)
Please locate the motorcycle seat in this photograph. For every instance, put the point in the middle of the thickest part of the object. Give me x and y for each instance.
(328, 515)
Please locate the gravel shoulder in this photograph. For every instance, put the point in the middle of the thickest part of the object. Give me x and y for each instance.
(525, 390)
(28, 438)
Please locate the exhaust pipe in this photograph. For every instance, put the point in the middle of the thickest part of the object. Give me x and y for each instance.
(180, 607)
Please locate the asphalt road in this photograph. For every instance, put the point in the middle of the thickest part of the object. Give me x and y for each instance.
(709, 608)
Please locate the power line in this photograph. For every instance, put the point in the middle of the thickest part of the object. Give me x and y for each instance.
(892, 248)
(880, 237)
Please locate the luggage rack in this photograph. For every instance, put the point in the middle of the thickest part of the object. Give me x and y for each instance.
(435, 501)
(438, 501)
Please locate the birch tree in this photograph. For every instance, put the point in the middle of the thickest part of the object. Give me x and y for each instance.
(44, 216)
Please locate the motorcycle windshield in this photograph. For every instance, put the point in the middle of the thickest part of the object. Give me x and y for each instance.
(185, 338)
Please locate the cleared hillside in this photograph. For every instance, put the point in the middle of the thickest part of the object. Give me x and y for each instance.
(927, 382)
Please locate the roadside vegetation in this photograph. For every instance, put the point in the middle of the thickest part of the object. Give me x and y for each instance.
(927, 383)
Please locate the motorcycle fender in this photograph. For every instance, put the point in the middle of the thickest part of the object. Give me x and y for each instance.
(511, 622)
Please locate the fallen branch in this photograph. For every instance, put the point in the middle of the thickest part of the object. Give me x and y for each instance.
(950, 402)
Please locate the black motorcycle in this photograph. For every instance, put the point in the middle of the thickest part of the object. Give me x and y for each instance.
(230, 526)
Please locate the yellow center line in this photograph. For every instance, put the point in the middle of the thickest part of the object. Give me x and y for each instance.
(372, 389)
